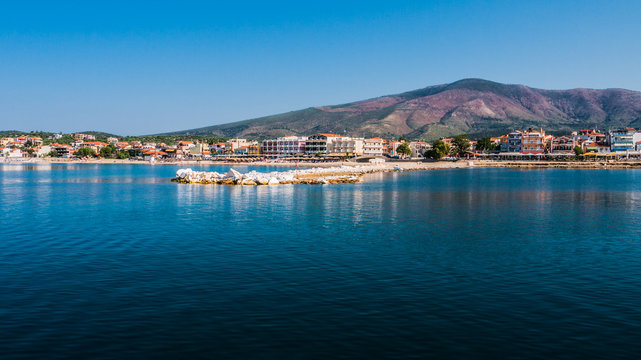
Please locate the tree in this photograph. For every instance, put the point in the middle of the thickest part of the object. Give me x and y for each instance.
(86, 152)
(578, 150)
(123, 155)
(402, 139)
(108, 151)
(53, 153)
(460, 144)
(438, 150)
(484, 144)
(28, 144)
(404, 149)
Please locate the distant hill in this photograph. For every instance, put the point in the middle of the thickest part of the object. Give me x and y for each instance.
(473, 106)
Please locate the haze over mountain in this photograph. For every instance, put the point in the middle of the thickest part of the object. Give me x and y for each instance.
(473, 106)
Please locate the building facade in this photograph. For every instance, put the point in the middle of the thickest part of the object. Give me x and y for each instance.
(319, 143)
(374, 147)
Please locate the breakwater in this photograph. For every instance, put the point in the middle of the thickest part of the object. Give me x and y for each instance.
(332, 175)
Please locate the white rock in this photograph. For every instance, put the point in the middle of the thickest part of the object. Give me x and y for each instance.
(233, 174)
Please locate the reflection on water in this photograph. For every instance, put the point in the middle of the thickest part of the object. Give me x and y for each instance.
(98, 260)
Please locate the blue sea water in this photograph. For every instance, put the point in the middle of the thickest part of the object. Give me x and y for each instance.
(116, 261)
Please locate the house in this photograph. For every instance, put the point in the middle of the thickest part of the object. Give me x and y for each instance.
(233, 144)
(242, 150)
(15, 153)
(64, 150)
(217, 148)
(43, 150)
(563, 145)
(112, 140)
(122, 145)
(253, 148)
(419, 148)
(391, 148)
(590, 135)
(84, 136)
(513, 143)
(95, 145)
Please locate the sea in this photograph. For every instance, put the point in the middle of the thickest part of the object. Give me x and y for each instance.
(117, 261)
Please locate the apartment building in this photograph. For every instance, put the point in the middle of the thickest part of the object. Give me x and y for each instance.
(374, 147)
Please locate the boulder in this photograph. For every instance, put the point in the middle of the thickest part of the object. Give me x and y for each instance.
(233, 174)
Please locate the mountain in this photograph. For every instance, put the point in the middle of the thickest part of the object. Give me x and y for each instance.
(473, 106)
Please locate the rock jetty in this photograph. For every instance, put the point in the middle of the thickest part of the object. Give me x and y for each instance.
(332, 175)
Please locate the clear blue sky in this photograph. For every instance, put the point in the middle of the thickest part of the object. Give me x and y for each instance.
(138, 67)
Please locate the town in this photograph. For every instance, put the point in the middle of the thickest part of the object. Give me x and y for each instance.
(520, 144)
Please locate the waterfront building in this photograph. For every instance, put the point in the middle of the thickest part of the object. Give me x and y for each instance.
(513, 142)
(623, 139)
(15, 153)
(269, 147)
(291, 145)
(563, 145)
(374, 147)
(198, 149)
(232, 144)
(253, 148)
(419, 148)
(95, 145)
(344, 146)
(242, 150)
(217, 148)
(63, 150)
(591, 135)
(318, 143)
(391, 148)
(535, 142)
(43, 150)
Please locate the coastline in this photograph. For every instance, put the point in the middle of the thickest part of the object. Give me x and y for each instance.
(404, 165)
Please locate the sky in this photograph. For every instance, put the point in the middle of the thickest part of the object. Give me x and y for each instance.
(144, 67)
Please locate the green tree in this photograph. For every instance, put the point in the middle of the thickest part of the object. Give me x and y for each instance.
(404, 149)
(460, 144)
(438, 151)
(108, 151)
(578, 150)
(28, 144)
(402, 139)
(53, 153)
(485, 144)
(123, 155)
(85, 152)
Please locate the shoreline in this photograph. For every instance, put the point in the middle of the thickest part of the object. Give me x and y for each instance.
(404, 165)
